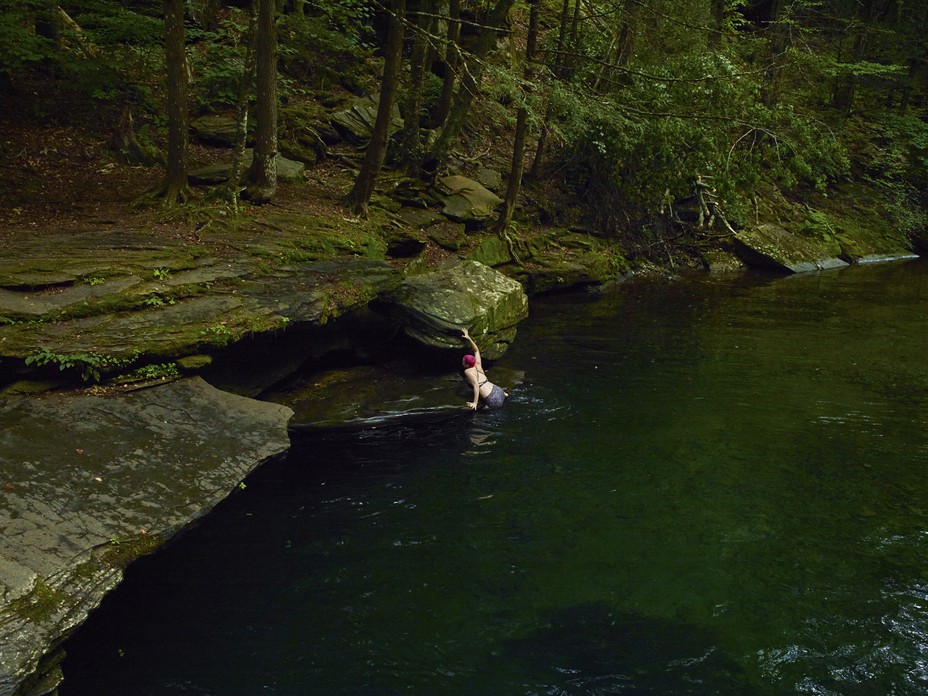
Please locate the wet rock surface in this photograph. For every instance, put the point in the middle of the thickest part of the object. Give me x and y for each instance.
(376, 396)
(89, 483)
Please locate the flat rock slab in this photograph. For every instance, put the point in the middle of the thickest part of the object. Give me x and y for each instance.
(773, 247)
(377, 396)
(310, 292)
(69, 258)
(89, 483)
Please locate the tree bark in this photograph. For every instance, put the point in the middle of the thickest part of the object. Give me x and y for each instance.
(558, 74)
(175, 187)
(718, 25)
(518, 147)
(450, 65)
(262, 177)
(410, 147)
(234, 185)
(470, 81)
(376, 152)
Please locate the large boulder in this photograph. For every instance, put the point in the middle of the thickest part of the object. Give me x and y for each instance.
(433, 307)
(92, 482)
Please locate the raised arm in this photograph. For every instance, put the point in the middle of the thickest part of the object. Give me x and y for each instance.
(473, 346)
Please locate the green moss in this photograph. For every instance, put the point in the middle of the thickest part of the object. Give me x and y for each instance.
(40, 604)
(123, 551)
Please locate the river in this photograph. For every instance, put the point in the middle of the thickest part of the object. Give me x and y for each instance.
(709, 486)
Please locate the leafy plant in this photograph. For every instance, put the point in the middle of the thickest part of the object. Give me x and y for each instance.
(151, 372)
(90, 365)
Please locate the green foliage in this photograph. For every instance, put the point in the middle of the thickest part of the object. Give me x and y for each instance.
(350, 18)
(20, 46)
(313, 51)
(112, 25)
(899, 169)
(150, 372)
(695, 114)
(90, 365)
(218, 61)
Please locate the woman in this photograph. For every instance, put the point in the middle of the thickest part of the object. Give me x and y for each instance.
(493, 395)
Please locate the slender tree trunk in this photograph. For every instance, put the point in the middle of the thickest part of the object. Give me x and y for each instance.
(779, 42)
(360, 194)
(450, 66)
(624, 41)
(558, 74)
(914, 64)
(175, 187)
(262, 177)
(245, 85)
(518, 148)
(718, 25)
(410, 148)
(470, 82)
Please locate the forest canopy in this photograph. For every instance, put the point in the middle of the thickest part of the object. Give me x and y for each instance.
(630, 104)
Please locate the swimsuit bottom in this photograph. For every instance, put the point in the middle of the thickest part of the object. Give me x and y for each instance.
(496, 397)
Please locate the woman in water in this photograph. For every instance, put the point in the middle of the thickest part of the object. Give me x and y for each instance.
(493, 395)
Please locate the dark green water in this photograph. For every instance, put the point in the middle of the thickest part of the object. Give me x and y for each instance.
(707, 487)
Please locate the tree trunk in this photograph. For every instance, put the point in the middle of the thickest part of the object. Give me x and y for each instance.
(558, 74)
(175, 188)
(518, 147)
(718, 25)
(262, 177)
(779, 42)
(246, 82)
(410, 148)
(360, 194)
(623, 41)
(470, 81)
(126, 147)
(450, 65)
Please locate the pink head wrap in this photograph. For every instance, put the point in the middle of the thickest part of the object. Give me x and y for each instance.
(469, 361)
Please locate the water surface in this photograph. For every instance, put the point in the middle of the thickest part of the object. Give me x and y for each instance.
(715, 486)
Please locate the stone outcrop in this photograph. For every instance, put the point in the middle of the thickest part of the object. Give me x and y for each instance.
(468, 201)
(90, 483)
(772, 247)
(116, 298)
(357, 122)
(287, 170)
(434, 306)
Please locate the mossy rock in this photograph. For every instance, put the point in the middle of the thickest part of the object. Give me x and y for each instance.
(770, 246)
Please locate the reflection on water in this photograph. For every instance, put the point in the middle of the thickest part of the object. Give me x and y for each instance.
(709, 487)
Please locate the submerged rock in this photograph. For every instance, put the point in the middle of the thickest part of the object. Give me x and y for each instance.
(374, 396)
(90, 483)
